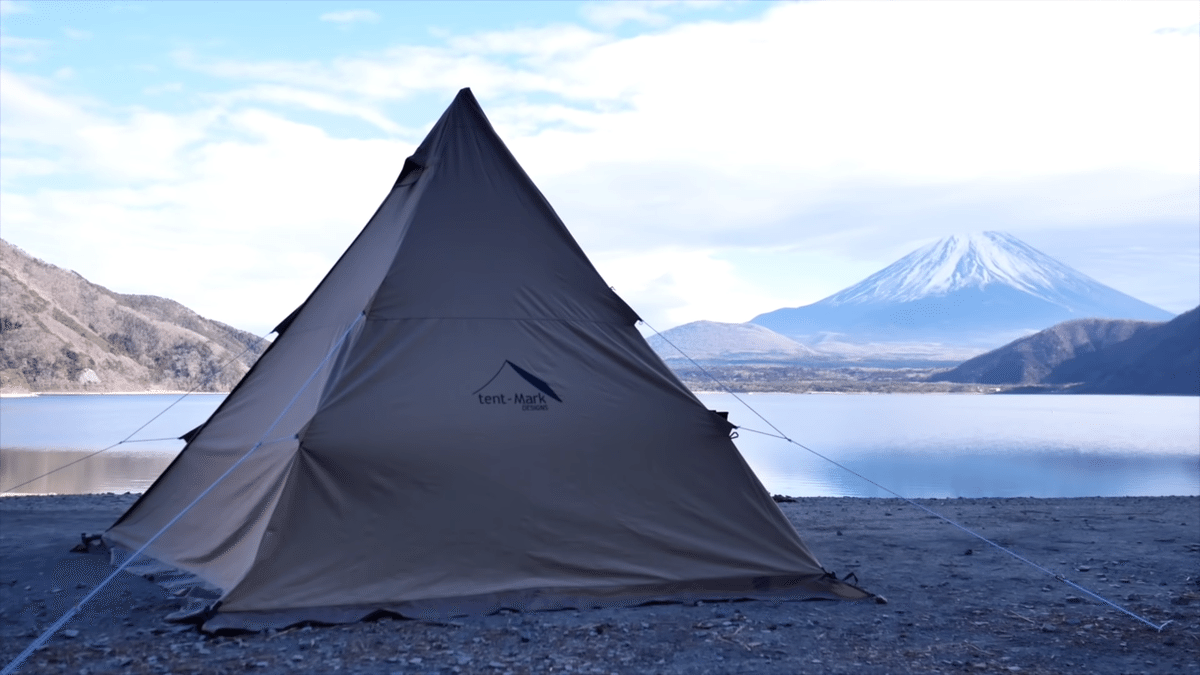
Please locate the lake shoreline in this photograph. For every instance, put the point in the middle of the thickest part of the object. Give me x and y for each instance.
(955, 603)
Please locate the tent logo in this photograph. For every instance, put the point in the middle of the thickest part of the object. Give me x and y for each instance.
(515, 391)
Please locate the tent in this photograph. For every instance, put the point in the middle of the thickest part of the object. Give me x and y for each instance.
(462, 417)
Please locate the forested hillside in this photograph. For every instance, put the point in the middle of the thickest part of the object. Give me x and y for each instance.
(60, 332)
(1096, 356)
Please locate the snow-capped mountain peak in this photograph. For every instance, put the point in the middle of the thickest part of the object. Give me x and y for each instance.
(976, 289)
(963, 261)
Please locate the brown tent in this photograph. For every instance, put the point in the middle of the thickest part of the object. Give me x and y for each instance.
(462, 417)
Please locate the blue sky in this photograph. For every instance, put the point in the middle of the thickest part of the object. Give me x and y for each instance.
(715, 159)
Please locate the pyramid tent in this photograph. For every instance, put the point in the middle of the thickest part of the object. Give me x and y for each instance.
(462, 417)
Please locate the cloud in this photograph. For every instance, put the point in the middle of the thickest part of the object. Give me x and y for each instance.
(674, 285)
(316, 101)
(166, 88)
(537, 44)
(1193, 29)
(611, 15)
(137, 145)
(21, 50)
(11, 7)
(351, 16)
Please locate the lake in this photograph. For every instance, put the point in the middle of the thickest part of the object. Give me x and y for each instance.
(917, 445)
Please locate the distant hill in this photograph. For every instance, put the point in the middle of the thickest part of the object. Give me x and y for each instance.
(1031, 359)
(60, 332)
(978, 290)
(1164, 359)
(1096, 356)
(728, 343)
(747, 343)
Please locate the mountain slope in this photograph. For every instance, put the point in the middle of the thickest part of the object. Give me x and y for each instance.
(727, 342)
(979, 289)
(60, 332)
(1030, 360)
(1097, 356)
(1164, 359)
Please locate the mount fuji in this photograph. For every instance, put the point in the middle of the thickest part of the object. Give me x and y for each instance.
(979, 290)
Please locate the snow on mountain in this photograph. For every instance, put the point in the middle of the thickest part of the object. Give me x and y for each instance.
(981, 290)
(963, 261)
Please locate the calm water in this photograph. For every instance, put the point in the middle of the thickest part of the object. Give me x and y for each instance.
(973, 446)
(917, 445)
(46, 432)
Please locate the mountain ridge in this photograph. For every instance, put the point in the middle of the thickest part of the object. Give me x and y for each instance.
(60, 332)
(1096, 356)
(727, 342)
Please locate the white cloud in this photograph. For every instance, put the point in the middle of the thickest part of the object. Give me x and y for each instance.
(612, 14)
(609, 14)
(21, 50)
(11, 7)
(76, 34)
(166, 88)
(314, 101)
(540, 44)
(1193, 29)
(351, 16)
(671, 286)
(140, 145)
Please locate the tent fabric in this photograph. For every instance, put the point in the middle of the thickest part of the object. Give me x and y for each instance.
(463, 417)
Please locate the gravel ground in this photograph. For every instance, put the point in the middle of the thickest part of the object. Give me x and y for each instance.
(956, 605)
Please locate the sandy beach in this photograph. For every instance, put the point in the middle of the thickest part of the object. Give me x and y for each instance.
(955, 604)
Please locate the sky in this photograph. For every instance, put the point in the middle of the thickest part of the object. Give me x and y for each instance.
(716, 160)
